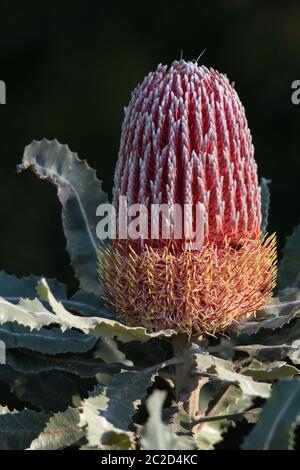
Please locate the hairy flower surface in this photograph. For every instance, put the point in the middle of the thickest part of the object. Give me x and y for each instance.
(185, 140)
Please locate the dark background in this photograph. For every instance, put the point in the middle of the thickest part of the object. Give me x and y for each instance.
(69, 69)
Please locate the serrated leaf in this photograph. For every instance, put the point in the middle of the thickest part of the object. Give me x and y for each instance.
(88, 304)
(98, 430)
(231, 401)
(224, 371)
(48, 391)
(269, 353)
(18, 429)
(294, 352)
(107, 413)
(293, 434)
(283, 337)
(181, 424)
(289, 266)
(273, 430)
(46, 340)
(34, 363)
(156, 435)
(33, 314)
(249, 387)
(107, 350)
(13, 289)
(61, 431)
(265, 203)
(270, 370)
(80, 193)
(99, 327)
(280, 312)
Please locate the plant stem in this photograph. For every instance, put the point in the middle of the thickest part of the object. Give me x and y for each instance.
(233, 417)
(187, 386)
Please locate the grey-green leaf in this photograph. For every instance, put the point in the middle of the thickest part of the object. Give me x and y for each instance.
(279, 312)
(108, 411)
(13, 289)
(80, 193)
(28, 362)
(156, 435)
(49, 391)
(35, 315)
(231, 401)
(275, 426)
(88, 305)
(289, 266)
(224, 371)
(61, 431)
(92, 325)
(270, 370)
(265, 203)
(46, 340)
(18, 429)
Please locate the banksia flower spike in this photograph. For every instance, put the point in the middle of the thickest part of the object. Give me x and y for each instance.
(186, 143)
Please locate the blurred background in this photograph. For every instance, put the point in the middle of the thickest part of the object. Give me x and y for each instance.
(70, 67)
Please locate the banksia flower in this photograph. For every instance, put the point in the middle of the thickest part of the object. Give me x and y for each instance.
(186, 143)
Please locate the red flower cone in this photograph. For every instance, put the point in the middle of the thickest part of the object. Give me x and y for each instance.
(185, 142)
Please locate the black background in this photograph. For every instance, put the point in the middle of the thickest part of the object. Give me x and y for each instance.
(69, 69)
